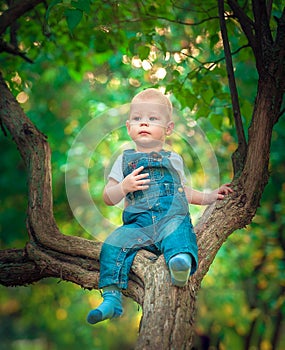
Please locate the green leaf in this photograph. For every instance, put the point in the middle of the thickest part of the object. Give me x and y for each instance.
(202, 112)
(143, 52)
(132, 45)
(207, 95)
(185, 97)
(216, 120)
(73, 17)
(162, 46)
(102, 41)
(83, 5)
(52, 4)
(214, 39)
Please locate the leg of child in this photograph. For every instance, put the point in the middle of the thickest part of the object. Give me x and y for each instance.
(180, 267)
(111, 307)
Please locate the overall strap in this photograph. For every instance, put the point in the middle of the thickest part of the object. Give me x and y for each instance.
(125, 160)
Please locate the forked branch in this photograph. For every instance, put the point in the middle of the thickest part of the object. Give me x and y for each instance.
(240, 153)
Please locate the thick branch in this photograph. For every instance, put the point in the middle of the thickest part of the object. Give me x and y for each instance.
(18, 269)
(245, 22)
(35, 152)
(279, 57)
(280, 42)
(240, 154)
(48, 243)
(74, 269)
(261, 13)
(25, 266)
(16, 11)
(262, 34)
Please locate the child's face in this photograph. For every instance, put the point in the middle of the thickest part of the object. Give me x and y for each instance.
(149, 124)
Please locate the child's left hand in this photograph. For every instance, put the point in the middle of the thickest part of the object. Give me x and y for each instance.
(203, 198)
(222, 191)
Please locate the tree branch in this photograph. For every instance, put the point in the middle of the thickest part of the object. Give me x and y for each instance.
(247, 25)
(16, 11)
(280, 30)
(240, 153)
(9, 48)
(8, 19)
(74, 269)
(17, 268)
(49, 253)
(262, 34)
(279, 52)
(269, 8)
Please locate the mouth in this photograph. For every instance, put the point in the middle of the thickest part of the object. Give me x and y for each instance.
(144, 132)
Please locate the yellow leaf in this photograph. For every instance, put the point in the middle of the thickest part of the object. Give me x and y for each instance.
(61, 314)
(265, 345)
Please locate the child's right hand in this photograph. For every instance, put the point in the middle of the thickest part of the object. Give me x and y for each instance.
(135, 181)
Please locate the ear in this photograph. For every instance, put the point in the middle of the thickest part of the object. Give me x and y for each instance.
(169, 128)
(128, 126)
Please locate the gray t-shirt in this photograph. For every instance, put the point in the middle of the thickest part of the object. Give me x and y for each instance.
(176, 160)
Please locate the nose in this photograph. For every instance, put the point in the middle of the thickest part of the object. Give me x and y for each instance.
(144, 122)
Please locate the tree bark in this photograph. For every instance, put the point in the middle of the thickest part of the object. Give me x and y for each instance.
(167, 309)
(16, 11)
(239, 155)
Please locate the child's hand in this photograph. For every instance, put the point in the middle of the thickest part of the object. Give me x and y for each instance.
(223, 191)
(135, 181)
(218, 194)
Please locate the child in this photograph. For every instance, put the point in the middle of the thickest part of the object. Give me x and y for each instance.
(156, 215)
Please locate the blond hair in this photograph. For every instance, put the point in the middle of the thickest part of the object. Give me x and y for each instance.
(154, 95)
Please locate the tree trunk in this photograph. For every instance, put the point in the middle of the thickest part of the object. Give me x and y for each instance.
(168, 311)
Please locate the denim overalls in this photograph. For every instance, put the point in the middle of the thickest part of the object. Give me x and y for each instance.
(156, 219)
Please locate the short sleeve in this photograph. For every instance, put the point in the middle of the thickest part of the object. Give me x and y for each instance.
(178, 164)
(116, 172)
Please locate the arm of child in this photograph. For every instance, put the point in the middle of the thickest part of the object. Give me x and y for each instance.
(203, 198)
(115, 191)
